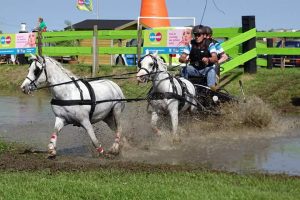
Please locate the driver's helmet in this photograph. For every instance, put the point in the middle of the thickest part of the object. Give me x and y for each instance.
(198, 29)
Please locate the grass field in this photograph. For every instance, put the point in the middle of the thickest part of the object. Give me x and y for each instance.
(118, 184)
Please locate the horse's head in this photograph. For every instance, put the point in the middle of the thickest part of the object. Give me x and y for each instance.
(36, 74)
(149, 66)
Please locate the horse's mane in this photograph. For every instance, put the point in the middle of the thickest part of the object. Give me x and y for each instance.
(68, 72)
(161, 62)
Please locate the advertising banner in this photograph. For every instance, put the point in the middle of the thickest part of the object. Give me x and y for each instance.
(21, 43)
(167, 41)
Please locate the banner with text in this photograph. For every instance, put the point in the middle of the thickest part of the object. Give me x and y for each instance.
(167, 40)
(20, 43)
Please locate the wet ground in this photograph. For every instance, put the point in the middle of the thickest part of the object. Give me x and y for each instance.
(247, 138)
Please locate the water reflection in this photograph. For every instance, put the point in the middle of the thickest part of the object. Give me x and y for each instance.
(283, 155)
(24, 109)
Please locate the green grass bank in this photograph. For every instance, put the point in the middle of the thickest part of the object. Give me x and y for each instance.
(119, 184)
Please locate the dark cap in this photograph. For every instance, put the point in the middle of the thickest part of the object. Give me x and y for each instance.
(198, 29)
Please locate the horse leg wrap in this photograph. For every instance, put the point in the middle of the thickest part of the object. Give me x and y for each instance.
(53, 139)
(100, 150)
(117, 139)
(52, 145)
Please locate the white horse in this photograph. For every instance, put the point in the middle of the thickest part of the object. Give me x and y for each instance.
(76, 101)
(168, 94)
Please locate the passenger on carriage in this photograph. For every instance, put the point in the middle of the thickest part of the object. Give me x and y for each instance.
(200, 56)
(222, 56)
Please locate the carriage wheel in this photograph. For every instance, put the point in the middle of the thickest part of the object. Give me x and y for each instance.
(212, 100)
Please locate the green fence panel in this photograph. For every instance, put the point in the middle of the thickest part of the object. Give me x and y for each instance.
(261, 62)
(239, 60)
(279, 51)
(61, 39)
(118, 34)
(118, 50)
(260, 44)
(67, 33)
(239, 39)
(278, 34)
(63, 51)
(78, 35)
(234, 51)
(226, 32)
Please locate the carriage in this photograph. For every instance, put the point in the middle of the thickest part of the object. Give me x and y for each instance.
(210, 101)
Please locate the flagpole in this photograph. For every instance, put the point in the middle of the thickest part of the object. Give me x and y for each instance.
(97, 9)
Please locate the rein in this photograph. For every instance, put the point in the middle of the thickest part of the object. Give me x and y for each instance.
(91, 79)
(92, 102)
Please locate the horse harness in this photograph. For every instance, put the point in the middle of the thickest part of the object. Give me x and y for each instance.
(152, 95)
(170, 95)
(92, 102)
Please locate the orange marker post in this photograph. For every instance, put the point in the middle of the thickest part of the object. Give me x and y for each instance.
(154, 8)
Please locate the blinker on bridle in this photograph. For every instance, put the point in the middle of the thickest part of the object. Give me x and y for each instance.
(154, 67)
(37, 72)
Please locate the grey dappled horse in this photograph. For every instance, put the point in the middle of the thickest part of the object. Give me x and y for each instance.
(77, 101)
(168, 94)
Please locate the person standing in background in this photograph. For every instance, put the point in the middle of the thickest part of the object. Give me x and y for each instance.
(42, 25)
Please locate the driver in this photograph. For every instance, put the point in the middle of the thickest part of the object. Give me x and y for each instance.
(200, 56)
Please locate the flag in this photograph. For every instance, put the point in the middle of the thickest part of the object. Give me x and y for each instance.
(85, 5)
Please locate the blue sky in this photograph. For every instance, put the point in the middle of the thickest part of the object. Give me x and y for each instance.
(269, 13)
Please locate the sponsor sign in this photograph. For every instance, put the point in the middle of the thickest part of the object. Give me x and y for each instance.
(167, 41)
(21, 43)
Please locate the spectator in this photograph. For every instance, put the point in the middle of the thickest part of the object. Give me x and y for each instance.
(41, 25)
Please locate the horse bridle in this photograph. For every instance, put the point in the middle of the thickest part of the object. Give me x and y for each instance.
(37, 73)
(154, 67)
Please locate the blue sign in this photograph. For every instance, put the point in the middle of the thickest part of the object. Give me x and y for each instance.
(18, 51)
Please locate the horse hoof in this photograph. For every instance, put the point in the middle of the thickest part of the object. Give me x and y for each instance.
(110, 155)
(51, 154)
(106, 155)
(114, 150)
(51, 157)
(159, 135)
(157, 132)
(102, 155)
(176, 140)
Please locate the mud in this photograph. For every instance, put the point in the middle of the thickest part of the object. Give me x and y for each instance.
(236, 141)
